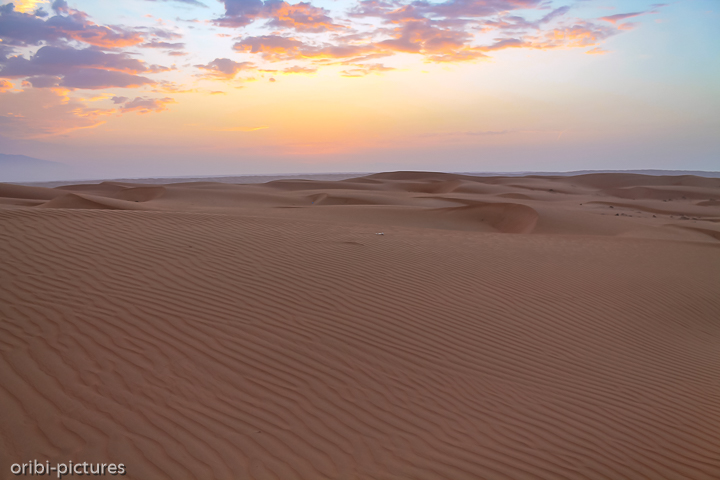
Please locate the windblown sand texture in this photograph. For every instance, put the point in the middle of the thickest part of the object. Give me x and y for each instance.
(500, 328)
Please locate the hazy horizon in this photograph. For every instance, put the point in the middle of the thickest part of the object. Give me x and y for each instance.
(325, 176)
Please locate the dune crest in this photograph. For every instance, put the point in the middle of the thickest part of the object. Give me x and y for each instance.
(141, 194)
(92, 202)
(8, 190)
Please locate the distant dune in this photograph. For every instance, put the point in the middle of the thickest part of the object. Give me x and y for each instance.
(394, 326)
(264, 178)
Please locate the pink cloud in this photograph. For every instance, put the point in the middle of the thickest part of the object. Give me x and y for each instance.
(144, 105)
(17, 28)
(302, 17)
(155, 43)
(299, 69)
(614, 19)
(224, 68)
(363, 70)
(596, 51)
(441, 32)
(44, 112)
(93, 79)
(50, 60)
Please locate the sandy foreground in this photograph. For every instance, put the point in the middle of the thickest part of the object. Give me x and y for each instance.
(395, 326)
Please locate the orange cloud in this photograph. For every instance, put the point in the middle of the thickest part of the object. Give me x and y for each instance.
(440, 32)
(363, 70)
(144, 105)
(614, 19)
(43, 112)
(462, 55)
(271, 47)
(224, 68)
(276, 47)
(19, 28)
(302, 17)
(102, 36)
(299, 69)
(25, 6)
(239, 129)
(596, 51)
(5, 86)
(577, 36)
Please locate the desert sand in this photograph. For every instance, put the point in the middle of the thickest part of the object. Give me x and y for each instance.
(404, 325)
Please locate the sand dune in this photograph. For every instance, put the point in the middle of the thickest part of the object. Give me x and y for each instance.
(141, 194)
(78, 201)
(667, 194)
(619, 180)
(517, 196)
(103, 188)
(293, 185)
(500, 328)
(8, 190)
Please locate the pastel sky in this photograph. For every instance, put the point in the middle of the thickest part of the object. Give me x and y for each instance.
(204, 87)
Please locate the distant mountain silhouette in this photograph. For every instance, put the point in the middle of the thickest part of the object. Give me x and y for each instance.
(21, 168)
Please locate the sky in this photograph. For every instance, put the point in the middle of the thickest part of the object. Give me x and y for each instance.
(208, 87)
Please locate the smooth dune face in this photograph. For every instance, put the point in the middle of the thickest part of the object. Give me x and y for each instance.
(499, 328)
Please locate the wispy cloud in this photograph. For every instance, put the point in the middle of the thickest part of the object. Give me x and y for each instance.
(239, 129)
(362, 70)
(300, 70)
(41, 113)
(144, 105)
(194, 3)
(224, 68)
(596, 51)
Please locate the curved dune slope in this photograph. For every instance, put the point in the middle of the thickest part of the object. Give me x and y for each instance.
(503, 217)
(8, 190)
(709, 232)
(92, 202)
(325, 199)
(413, 176)
(104, 189)
(141, 194)
(517, 196)
(209, 346)
(433, 186)
(292, 185)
